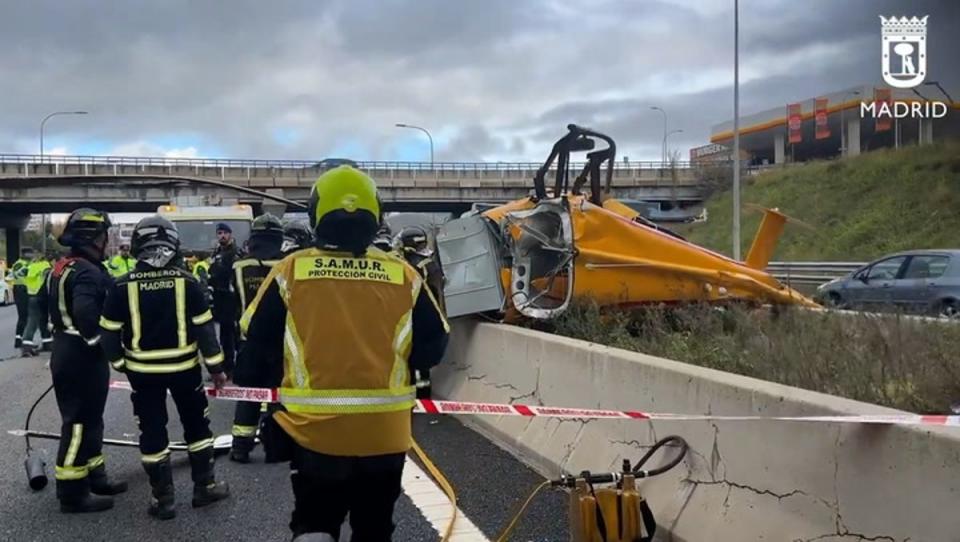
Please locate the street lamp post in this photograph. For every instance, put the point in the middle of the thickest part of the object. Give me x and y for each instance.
(736, 130)
(667, 150)
(424, 130)
(663, 145)
(44, 121)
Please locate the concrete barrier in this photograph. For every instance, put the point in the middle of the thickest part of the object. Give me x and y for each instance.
(763, 480)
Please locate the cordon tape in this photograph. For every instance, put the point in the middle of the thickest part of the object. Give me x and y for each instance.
(429, 406)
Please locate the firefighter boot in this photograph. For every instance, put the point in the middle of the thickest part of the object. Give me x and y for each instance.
(162, 505)
(100, 483)
(206, 490)
(75, 497)
(241, 448)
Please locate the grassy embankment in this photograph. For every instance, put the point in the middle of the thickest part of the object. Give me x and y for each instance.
(862, 208)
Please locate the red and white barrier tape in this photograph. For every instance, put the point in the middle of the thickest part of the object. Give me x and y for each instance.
(428, 406)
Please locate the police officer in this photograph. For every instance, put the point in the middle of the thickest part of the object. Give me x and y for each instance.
(413, 244)
(224, 299)
(35, 280)
(156, 324)
(81, 376)
(121, 263)
(18, 275)
(355, 319)
(266, 241)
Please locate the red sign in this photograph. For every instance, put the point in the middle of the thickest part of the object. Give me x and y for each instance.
(794, 122)
(881, 96)
(823, 128)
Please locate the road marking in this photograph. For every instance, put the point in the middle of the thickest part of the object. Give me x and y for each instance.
(435, 506)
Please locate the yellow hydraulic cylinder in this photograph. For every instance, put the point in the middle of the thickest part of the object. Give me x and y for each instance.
(620, 508)
(766, 239)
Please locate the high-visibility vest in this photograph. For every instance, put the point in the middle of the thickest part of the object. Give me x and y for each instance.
(19, 271)
(118, 265)
(346, 383)
(204, 266)
(36, 275)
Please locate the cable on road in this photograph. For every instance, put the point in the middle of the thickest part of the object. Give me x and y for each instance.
(440, 479)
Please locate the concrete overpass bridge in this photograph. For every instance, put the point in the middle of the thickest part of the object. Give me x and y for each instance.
(32, 184)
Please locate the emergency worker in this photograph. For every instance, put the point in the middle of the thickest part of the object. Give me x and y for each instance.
(81, 376)
(156, 324)
(266, 241)
(122, 263)
(415, 249)
(356, 319)
(18, 275)
(296, 236)
(36, 279)
(224, 299)
(384, 238)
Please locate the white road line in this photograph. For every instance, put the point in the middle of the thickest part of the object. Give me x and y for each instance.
(435, 506)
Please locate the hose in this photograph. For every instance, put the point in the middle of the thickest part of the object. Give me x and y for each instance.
(447, 488)
(662, 469)
(26, 426)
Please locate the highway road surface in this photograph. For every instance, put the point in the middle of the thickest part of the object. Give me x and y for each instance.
(490, 483)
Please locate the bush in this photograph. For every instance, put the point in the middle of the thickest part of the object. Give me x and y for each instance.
(891, 361)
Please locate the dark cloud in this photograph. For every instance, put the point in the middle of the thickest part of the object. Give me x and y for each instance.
(503, 77)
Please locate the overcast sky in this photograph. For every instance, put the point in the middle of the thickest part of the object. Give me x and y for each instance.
(491, 79)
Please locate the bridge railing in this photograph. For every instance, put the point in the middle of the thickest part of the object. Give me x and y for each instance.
(307, 164)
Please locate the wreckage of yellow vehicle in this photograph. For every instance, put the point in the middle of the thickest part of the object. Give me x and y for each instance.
(545, 251)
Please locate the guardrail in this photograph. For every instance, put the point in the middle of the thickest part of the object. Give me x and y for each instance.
(306, 164)
(811, 273)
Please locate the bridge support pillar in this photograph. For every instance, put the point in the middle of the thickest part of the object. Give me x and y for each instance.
(13, 245)
(778, 148)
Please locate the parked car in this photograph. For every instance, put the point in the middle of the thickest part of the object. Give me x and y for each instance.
(6, 292)
(917, 281)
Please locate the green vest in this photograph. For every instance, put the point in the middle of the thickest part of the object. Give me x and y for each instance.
(118, 265)
(36, 275)
(19, 271)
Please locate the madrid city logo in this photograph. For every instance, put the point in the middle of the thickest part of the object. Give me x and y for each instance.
(904, 50)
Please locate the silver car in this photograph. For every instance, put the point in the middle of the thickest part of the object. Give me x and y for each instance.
(918, 281)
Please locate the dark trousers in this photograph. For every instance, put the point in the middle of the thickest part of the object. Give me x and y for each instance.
(36, 321)
(150, 408)
(228, 343)
(326, 488)
(81, 379)
(22, 299)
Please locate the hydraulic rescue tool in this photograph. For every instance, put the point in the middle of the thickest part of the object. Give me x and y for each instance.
(617, 513)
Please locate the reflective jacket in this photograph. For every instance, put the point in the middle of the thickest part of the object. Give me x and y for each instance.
(248, 275)
(78, 287)
(157, 321)
(349, 329)
(118, 265)
(36, 276)
(18, 272)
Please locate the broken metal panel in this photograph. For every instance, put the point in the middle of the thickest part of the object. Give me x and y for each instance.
(470, 258)
(542, 255)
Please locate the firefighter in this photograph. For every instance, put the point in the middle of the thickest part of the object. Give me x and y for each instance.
(296, 236)
(337, 327)
(18, 275)
(224, 301)
(384, 238)
(414, 247)
(266, 241)
(155, 325)
(35, 280)
(81, 376)
(122, 263)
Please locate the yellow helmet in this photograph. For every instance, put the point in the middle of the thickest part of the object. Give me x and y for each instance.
(346, 189)
(345, 209)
